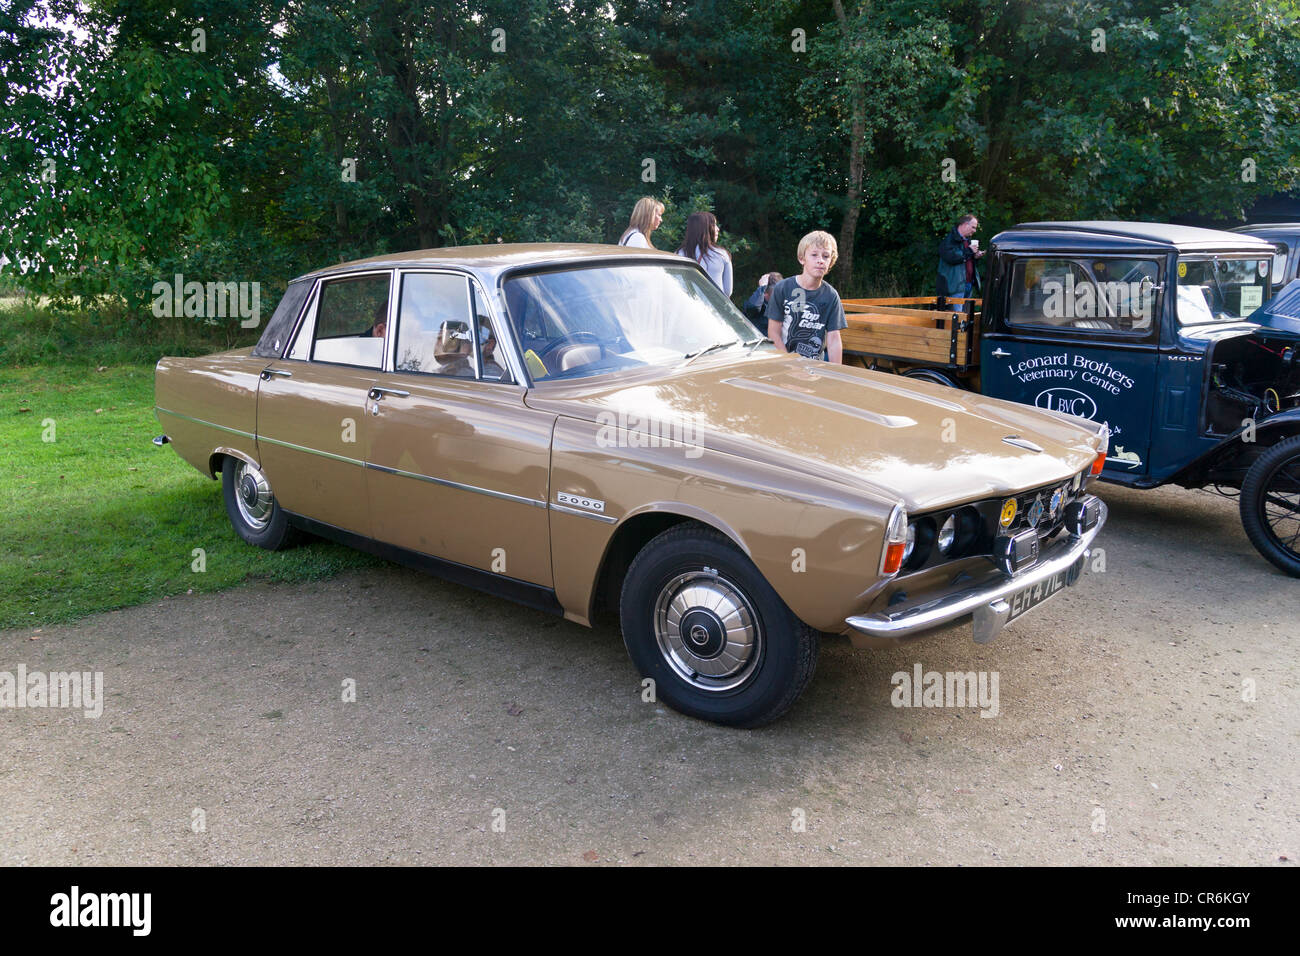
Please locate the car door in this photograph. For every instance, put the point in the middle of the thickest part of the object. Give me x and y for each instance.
(458, 465)
(311, 409)
(1079, 334)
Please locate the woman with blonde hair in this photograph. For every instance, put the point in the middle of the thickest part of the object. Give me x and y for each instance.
(647, 214)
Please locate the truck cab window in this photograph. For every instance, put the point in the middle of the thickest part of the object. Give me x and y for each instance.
(1098, 294)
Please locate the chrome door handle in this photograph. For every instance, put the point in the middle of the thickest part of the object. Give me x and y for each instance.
(998, 353)
(268, 372)
(376, 393)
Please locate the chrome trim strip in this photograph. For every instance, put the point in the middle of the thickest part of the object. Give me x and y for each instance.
(504, 496)
(312, 451)
(200, 421)
(459, 486)
(766, 388)
(608, 519)
(915, 618)
(1019, 442)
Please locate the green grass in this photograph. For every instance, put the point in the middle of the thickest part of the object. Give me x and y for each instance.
(98, 518)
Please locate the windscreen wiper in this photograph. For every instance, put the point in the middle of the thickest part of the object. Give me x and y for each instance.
(712, 348)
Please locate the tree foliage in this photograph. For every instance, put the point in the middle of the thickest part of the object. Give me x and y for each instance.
(251, 140)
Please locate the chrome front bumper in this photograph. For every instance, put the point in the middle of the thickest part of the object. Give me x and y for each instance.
(987, 603)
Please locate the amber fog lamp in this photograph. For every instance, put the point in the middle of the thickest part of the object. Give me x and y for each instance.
(1008, 515)
(895, 541)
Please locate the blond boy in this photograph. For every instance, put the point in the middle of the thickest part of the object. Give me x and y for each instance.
(804, 314)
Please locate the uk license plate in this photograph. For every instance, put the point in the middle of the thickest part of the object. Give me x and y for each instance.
(1036, 594)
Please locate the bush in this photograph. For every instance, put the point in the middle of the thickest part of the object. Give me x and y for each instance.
(103, 334)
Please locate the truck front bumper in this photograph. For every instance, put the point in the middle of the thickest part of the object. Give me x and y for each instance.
(992, 604)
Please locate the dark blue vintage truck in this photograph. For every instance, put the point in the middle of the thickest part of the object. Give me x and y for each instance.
(1165, 333)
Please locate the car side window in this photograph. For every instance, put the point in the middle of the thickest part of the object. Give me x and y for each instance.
(1106, 295)
(351, 321)
(491, 362)
(301, 349)
(1279, 276)
(433, 328)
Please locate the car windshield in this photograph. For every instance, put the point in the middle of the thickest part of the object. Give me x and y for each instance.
(1219, 289)
(594, 319)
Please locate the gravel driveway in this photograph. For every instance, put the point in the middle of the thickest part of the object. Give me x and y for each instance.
(487, 733)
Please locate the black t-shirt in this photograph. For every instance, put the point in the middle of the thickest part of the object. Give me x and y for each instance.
(806, 317)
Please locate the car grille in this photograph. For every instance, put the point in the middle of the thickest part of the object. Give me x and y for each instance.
(979, 524)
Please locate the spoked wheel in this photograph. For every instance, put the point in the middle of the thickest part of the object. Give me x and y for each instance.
(252, 508)
(935, 376)
(1270, 505)
(701, 620)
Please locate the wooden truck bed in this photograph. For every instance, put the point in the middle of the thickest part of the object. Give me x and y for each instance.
(912, 331)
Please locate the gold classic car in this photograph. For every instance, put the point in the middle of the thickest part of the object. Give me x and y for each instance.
(590, 428)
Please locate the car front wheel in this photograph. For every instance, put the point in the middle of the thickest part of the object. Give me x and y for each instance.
(700, 620)
(252, 509)
(1270, 505)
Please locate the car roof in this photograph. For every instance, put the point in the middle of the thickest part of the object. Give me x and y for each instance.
(1280, 228)
(1139, 236)
(492, 259)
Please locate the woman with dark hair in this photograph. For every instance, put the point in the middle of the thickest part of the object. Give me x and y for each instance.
(701, 244)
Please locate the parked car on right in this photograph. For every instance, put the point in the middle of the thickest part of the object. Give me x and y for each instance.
(1284, 235)
(1167, 334)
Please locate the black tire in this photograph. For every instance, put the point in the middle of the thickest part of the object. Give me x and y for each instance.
(258, 519)
(935, 376)
(1270, 505)
(755, 683)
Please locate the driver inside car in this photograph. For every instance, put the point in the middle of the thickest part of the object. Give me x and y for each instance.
(454, 351)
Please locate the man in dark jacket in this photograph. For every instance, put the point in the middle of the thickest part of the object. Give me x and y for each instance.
(755, 308)
(957, 275)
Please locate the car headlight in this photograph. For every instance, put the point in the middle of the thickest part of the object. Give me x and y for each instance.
(910, 545)
(947, 535)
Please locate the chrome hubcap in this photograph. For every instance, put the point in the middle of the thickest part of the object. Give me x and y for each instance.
(253, 496)
(707, 631)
